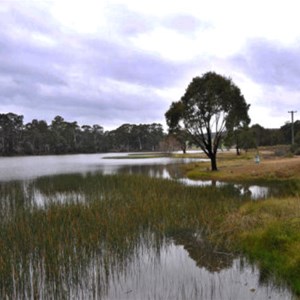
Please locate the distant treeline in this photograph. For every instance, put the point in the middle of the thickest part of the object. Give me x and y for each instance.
(62, 137)
(256, 135)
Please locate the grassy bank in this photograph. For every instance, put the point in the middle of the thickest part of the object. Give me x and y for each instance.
(243, 168)
(269, 233)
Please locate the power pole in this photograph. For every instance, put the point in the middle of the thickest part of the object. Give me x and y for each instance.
(292, 112)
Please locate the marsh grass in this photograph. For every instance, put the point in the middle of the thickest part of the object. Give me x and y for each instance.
(49, 248)
(59, 240)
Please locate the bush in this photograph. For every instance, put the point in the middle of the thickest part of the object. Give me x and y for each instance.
(295, 149)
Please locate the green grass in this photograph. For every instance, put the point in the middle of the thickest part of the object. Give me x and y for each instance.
(269, 233)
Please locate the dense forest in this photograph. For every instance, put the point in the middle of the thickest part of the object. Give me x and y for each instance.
(62, 137)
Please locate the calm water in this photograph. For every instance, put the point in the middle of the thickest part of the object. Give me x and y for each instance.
(178, 267)
(30, 167)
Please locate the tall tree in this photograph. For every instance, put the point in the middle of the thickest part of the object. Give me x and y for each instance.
(211, 107)
(172, 117)
(11, 126)
(35, 137)
(241, 138)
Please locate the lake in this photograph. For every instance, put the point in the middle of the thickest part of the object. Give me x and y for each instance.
(140, 263)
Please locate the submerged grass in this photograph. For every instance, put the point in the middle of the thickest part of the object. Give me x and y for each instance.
(114, 212)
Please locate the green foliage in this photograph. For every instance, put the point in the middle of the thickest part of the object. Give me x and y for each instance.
(130, 137)
(295, 149)
(62, 137)
(211, 107)
(241, 138)
(286, 131)
(10, 133)
(267, 137)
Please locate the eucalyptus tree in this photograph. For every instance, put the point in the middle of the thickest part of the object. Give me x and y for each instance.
(36, 137)
(155, 135)
(11, 127)
(241, 138)
(98, 138)
(211, 107)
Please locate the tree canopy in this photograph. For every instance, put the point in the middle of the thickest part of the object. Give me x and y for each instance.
(211, 107)
(63, 137)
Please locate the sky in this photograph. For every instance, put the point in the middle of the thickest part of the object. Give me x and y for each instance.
(111, 62)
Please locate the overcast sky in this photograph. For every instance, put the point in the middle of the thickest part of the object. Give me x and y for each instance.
(111, 62)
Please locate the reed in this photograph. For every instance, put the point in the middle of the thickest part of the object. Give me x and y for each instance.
(108, 220)
(54, 227)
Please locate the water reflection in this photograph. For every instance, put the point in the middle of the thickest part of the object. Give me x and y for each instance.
(27, 168)
(30, 167)
(169, 270)
(172, 171)
(171, 273)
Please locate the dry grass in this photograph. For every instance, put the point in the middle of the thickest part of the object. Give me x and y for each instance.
(232, 167)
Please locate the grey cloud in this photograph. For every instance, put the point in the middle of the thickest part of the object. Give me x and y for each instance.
(185, 24)
(32, 19)
(106, 109)
(45, 80)
(125, 63)
(268, 63)
(22, 57)
(113, 59)
(127, 22)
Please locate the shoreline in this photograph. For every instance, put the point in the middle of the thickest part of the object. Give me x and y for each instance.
(244, 168)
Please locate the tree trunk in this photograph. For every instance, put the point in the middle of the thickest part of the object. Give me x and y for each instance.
(213, 160)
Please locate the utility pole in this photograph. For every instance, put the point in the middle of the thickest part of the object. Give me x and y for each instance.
(292, 112)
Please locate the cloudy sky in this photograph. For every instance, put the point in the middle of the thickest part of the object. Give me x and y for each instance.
(111, 62)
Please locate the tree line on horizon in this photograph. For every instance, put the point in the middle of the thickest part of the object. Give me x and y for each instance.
(63, 137)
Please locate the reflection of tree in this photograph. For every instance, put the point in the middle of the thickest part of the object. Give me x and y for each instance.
(159, 171)
(203, 253)
(149, 170)
(244, 190)
(174, 171)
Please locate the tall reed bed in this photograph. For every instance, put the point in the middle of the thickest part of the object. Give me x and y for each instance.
(56, 241)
